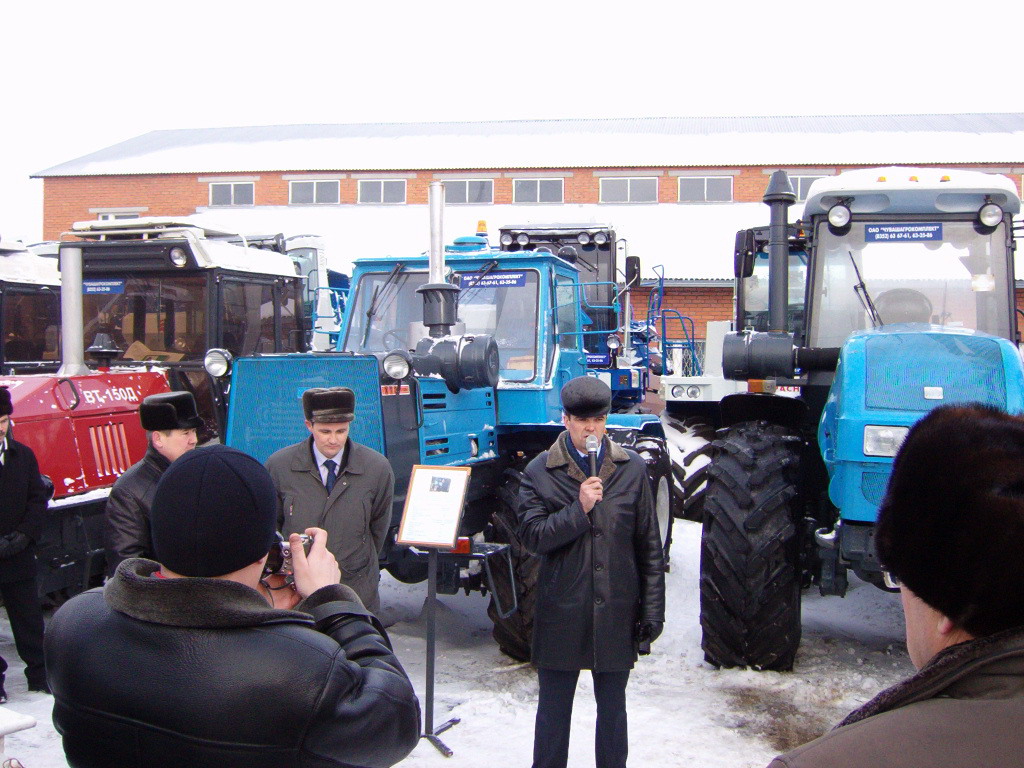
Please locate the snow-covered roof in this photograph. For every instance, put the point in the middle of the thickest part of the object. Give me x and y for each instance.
(19, 265)
(595, 143)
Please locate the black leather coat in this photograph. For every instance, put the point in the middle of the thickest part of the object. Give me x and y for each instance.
(23, 499)
(202, 672)
(602, 573)
(126, 525)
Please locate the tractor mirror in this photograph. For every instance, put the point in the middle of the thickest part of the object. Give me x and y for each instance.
(743, 255)
(632, 271)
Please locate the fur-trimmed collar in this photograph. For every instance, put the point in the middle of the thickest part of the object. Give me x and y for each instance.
(559, 456)
(945, 669)
(191, 602)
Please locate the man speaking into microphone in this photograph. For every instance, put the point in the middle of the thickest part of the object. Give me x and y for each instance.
(585, 508)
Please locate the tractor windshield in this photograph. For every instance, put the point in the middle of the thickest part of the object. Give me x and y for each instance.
(149, 318)
(386, 313)
(880, 273)
(755, 313)
(30, 323)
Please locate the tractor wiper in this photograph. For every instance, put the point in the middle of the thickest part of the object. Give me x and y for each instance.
(865, 298)
(378, 293)
(473, 285)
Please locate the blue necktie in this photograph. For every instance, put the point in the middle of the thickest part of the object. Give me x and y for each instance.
(332, 476)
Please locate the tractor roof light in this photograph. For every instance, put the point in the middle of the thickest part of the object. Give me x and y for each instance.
(523, 239)
(990, 214)
(397, 365)
(178, 257)
(583, 238)
(601, 238)
(506, 238)
(217, 362)
(839, 215)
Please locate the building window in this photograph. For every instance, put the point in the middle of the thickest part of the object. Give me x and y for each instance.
(801, 184)
(705, 189)
(382, 191)
(314, 192)
(537, 190)
(115, 216)
(627, 190)
(468, 191)
(232, 193)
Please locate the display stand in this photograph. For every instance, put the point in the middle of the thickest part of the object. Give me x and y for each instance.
(430, 521)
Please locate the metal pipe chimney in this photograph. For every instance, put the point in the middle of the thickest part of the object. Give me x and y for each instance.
(778, 197)
(440, 299)
(71, 321)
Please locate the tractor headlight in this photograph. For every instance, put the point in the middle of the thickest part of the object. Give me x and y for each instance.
(839, 216)
(523, 239)
(693, 392)
(178, 257)
(506, 239)
(601, 238)
(613, 342)
(217, 362)
(883, 441)
(990, 214)
(396, 365)
(678, 391)
(583, 238)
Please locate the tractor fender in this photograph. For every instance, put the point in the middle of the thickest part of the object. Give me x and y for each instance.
(784, 411)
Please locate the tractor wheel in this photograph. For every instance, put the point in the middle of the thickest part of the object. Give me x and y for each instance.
(689, 443)
(750, 548)
(514, 634)
(655, 452)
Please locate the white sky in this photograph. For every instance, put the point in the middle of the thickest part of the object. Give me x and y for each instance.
(77, 77)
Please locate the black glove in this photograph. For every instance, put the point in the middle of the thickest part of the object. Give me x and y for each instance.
(646, 634)
(12, 544)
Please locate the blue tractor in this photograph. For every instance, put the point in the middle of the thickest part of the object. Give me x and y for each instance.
(907, 304)
(456, 359)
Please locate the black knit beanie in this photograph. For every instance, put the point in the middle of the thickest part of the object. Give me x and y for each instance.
(951, 526)
(6, 407)
(214, 512)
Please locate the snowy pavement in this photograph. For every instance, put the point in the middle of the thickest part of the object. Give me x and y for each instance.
(681, 710)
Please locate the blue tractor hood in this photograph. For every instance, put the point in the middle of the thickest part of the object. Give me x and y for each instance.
(892, 376)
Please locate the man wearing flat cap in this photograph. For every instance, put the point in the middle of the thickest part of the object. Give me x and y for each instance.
(951, 533)
(203, 659)
(330, 481)
(170, 420)
(601, 588)
(23, 498)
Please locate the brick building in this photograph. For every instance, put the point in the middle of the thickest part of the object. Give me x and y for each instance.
(676, 189)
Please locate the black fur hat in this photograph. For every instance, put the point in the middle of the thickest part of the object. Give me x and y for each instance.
(951, 526)
(169, 410)
(586, 397)
(6, 406)
(334, 405)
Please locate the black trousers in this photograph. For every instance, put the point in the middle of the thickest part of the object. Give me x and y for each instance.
(554, 718)
(21, 599)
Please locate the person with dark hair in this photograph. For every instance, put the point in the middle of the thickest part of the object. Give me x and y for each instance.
(201, 659)
(601, 588)
(23, 498)
(170, 420)
(950, 531)
(332, 482)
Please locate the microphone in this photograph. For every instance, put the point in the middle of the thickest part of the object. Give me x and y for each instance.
(592, 445)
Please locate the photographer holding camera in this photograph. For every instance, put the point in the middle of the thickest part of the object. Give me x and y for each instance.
(183, 662)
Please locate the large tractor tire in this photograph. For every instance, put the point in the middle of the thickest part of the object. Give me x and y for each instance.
(655, 452)
(514, 634)
(690, 448)
(750, 550)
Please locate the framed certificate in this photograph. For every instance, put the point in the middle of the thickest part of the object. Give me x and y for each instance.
(433, 506)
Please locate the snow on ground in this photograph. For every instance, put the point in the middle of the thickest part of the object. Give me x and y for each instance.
(681, 710)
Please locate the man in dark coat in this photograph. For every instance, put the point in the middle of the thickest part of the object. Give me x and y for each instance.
(171, 421)
(23, 497)
(332, 482)
(201, 659)
(951, 531)
(601, 589)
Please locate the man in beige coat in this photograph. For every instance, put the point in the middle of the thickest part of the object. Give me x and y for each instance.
(951, 531)
(332, 482)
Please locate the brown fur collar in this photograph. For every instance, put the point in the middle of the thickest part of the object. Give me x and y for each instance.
(558, 456)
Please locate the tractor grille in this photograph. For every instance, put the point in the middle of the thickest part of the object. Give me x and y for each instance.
(265, 411)
(109, 450)
(901, 365)
(873, 484)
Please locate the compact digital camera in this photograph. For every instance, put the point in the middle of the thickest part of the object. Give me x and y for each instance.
(279, 559)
